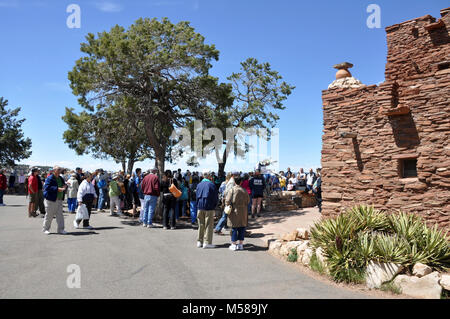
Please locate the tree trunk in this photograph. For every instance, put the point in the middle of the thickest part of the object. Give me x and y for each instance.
(159, 163)
(221, 169)
(123, 166)
(130, 166)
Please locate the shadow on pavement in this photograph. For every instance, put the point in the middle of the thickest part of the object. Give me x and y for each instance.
(107, 228)
(82, 233)
(272, 218)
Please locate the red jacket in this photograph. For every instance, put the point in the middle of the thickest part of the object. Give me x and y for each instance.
(32, 184)
(150, 185)
(3, 185)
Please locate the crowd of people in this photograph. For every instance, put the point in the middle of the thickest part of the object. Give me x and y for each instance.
(187, 195)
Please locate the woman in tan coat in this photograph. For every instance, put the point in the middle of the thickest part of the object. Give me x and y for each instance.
(238, 199)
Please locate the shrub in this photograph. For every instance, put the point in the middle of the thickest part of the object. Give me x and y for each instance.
(292, 257)
(361, 234)
(316, 265)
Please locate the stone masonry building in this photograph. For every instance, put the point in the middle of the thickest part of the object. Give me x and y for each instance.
(388, 145)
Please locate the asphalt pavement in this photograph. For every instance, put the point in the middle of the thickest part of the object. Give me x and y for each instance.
(121, 259)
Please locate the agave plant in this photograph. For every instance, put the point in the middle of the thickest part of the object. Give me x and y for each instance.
(390, 248)
(408, 226)
(367, 218)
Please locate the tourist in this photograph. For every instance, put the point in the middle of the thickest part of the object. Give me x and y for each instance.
(282, 181)
(79, 175)
(41, 204)
(245, 184)
(139, 196)
(114, 193)
(182, 200)
(317, 190)
(33, 200)
(310, 179)
(257, 186)
(22, 183)
(102, 188)
(238, 199)
(227, 185)
(301, 177)
(151, 189)
(193, 199)
(3, 186)
(169, 200)
(293, 180)
(290, 186)
(54, 189)
(207, 199)
(72, 191)
(288, 173)
(12, 183)
(128, 200)
(86, 195)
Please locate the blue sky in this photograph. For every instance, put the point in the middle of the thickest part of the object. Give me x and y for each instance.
(302, 40)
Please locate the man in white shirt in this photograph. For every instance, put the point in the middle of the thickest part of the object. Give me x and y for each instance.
(310, 180)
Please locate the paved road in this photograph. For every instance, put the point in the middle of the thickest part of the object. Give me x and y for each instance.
(122, 260)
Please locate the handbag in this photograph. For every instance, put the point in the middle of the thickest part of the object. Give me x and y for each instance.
(82, 212)
(174, 190)
(228, 208)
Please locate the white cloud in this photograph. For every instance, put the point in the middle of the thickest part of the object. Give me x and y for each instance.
(108, 6)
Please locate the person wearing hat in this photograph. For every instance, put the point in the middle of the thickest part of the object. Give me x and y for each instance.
(72, 191)
(114, 193)
(207, 199)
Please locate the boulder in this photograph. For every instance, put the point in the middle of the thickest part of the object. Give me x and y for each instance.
(306, 258)
(301, 249)
(379, 273)
(445, 281)
(420, 270)
(427, 287)
(274, 246)
(287, 247)
(302, 233)
(290, 236)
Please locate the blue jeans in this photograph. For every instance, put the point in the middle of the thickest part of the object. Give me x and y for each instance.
(237, 233)
(193, 209)
(72, 204)
(149, 208)
(222, 222)
(249, 208)
(101, 200)
(1, 195)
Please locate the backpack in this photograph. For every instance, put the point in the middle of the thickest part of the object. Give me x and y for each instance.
(101, 183)
(193, 192)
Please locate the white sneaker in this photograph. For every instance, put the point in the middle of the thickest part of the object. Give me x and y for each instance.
(241, 247)
(199, 244)
(63, 233)
(208, 246)
(145, 225)
(233, 247)
(75, 224)
(47, 232)
(88, 227)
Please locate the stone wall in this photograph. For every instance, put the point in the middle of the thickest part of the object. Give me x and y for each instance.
(406, 117)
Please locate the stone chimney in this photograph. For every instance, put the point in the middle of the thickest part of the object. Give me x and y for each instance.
(344, 78)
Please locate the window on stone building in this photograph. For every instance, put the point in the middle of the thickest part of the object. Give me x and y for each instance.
(408, 168)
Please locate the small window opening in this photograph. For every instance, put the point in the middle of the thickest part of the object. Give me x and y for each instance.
(444, 65)
(408, 168)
